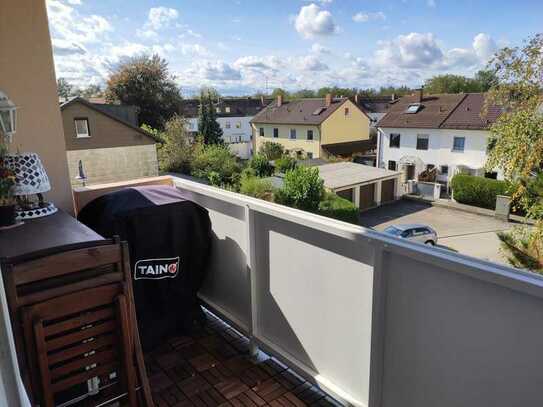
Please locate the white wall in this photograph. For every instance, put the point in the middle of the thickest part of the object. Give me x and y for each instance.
(234, 134)
(439, 148)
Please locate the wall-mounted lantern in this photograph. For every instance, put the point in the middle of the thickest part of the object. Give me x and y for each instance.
(8, 116)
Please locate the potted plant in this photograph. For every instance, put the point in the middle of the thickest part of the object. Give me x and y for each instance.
(7, 181)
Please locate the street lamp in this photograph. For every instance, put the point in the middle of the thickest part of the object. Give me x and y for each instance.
(8, 116)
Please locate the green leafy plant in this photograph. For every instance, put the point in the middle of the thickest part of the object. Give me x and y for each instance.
(303, 189)
(523, 247)
(256, 187)
(478, 191)
(7, 179)
(215, 163)
(175, 152)
(334, 206)
(271, 150)
(285, 163)
(208, 126)
(261, 166)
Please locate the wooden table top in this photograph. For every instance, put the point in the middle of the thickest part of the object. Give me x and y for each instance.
(44, 233)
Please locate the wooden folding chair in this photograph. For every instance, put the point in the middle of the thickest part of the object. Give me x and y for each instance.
(44, 276)
(81, 336)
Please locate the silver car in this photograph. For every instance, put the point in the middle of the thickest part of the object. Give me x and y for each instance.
(414, 232)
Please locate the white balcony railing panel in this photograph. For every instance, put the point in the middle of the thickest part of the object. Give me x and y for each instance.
(377, 321)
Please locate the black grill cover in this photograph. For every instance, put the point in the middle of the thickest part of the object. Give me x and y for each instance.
(169, 239)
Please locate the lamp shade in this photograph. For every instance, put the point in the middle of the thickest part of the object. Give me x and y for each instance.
(31, 177)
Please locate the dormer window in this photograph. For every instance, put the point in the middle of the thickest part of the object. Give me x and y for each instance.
(413, 108)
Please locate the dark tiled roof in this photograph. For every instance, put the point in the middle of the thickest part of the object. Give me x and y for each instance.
(299, 111)
(239, 107)
(445, 111)
(467, 114)
(374, 104)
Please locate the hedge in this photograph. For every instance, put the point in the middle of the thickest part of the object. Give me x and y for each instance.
(333, 206)
(478, 191)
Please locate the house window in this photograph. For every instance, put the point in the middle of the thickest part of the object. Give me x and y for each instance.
(346, 111)
(444, 169)
(82, 128)
(458, 143)
(218, 109)
(275, 133)
(394, 140)
(309, 156)
(430, 167)
(227, 109)
(293, 134)
(422, 142)
(227, 125)
(310, 134)
(392, 165)
(238, 125)
(491, 175)
(261, 130)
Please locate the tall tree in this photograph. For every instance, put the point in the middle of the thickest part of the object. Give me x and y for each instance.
(208, 127)
(145, 81)
(487, 79)
(64, 88)
(449, 83)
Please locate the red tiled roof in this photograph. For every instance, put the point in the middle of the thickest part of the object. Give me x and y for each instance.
(445, 111)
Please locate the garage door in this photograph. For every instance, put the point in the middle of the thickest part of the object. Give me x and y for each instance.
(367, 198)
(347, 194)
(387, 190)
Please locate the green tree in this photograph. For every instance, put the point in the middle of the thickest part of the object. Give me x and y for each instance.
(271, 150)
(64, 88)
(449, 83)
(215, 163)
(256, 187)
(261, 166)
(303, 93)
(92, 91)
(145, 81)
(486, 79)
(303, 189)
(175, 152)
(208, 126)
(396, 90)
(278, 91)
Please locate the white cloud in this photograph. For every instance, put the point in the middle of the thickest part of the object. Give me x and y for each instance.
(312, 63)
(74, 2)
(160, 17)
(414, 50)
(194, 50)
(267, 63)
(320, 49)
(219, 71)
(365, 17)
(431, 3)
(484, 46)
(63, 47)
(311, 21)
(128, 49)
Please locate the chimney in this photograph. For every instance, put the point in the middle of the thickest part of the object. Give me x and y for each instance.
(419, 94)
(356, 99)
(328, 99)
(262, 100)
(279, 100)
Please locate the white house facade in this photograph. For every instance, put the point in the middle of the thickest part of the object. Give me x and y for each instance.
(445, 132)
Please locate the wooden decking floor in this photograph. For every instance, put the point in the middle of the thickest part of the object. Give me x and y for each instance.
(212, 367)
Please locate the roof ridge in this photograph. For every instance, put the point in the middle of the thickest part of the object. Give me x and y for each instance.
(464, 96)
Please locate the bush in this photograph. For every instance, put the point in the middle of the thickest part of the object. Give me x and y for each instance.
(303, 189)
(478, 191)
(271, 150)
(261, 166)
(216, 163)
(334, 206)
(256, 187)
(285, 163)
(174, 149)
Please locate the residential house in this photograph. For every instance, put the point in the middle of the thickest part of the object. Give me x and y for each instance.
(107, 141)
(447, 132)
(314, 127)
(233, 115)
(375, 106)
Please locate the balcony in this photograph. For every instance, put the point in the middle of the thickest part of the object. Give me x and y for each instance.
(348, 314)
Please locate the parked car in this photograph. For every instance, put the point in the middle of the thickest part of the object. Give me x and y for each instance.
(414, 232)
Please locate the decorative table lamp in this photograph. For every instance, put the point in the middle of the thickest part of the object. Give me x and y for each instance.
(31, 182)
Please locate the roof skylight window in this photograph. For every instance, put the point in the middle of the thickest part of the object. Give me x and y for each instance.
(413, 108)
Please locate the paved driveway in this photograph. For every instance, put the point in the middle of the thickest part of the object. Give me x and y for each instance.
(467, 233)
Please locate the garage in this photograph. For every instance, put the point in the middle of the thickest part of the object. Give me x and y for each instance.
(364, 185)
(346, 194)
(387, 190)
(367, 196)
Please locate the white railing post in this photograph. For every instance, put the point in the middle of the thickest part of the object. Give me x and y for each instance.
(251, 268)
(377, 327)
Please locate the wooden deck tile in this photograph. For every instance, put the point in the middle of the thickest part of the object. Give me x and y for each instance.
(193, 385)
(203, 362)
(254, 376)
(308, 394)
(270, 390)
(287, 400)
(217, 374)
(248, 399)
(231, 388)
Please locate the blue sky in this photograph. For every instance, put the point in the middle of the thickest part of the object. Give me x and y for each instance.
(242, 46)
